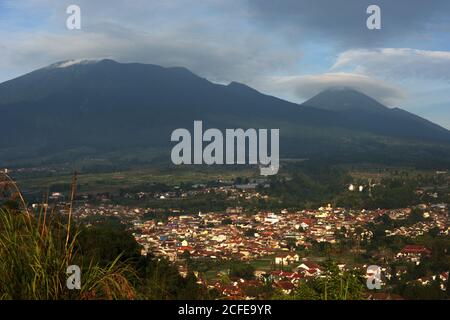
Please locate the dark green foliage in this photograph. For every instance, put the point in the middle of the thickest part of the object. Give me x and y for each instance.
(103, 242)
(250, 233)
(161, 280)
(417, 291)
(34, 255)
(227, 221)
(333, 284)
(242, 270)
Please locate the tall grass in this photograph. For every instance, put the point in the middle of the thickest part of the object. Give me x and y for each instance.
(35, 251)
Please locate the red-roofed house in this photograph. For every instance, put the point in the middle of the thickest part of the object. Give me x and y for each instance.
(286, 258)
(309, 268)
(413, 253)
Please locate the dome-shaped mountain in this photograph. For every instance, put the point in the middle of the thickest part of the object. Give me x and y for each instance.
(342, 99)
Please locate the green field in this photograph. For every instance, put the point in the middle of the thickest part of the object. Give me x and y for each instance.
(111, 182)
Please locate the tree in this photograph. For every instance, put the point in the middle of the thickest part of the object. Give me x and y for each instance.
(105, 241)
(242, 270)
(339, 285)
(305, 292)
(333, 284)
(250, 232)
(186, 255)
(291, 243)
(415, 216)
(416, 291)
(434, 232)
(227, 221)
(189, 289)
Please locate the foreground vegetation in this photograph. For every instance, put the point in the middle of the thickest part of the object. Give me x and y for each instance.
(37, 247)
(35, 254)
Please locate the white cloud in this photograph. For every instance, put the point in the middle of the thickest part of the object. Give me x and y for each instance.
(306, 86)
(398, 63)
(343, 23)
(225, 40)
(239, 58)
(212, 39)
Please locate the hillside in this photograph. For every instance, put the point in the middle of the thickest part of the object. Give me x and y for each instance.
(81, 110)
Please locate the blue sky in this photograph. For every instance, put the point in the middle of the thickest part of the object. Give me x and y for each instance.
(289, 48)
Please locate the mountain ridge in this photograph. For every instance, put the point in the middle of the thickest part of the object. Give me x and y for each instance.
(344, 98)
(106, 105)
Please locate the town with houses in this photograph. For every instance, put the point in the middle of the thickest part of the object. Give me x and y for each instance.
(283, 246)
(283, 240)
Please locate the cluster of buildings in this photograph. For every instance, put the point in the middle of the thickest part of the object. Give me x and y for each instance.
(240, 236)
(245, 237)
(234, 234)
(284, 281)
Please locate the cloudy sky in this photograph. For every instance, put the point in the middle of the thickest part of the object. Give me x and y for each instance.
(288, 48)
